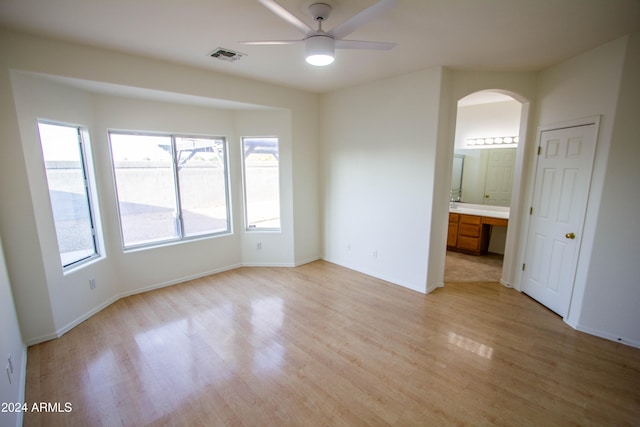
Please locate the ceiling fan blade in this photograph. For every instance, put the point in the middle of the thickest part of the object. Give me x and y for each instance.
(287, 16)
(271, 42)
(367, 15)
(359, 44)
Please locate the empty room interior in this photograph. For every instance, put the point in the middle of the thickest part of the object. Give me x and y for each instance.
(292, 212)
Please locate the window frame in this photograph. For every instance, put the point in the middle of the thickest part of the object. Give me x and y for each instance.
(247, 226)
(180, 238)
(88, 177)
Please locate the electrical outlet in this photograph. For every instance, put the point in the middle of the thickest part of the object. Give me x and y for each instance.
(375, 254)
(92, 284)
(259, 246)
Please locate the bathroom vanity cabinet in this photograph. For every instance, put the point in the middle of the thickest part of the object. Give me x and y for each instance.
(471, 233)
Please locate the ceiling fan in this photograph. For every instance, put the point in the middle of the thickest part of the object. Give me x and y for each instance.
(320, 45)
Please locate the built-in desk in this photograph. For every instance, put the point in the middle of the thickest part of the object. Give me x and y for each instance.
(470, 227)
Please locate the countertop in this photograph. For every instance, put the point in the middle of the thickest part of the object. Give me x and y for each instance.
(481, 210)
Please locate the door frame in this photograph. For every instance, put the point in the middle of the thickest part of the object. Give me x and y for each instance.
(528, 198)
(508, 277)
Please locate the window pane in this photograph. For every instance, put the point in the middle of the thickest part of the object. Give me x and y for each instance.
(144, 175)
(65, 171)
(261, 183)
(202, 179)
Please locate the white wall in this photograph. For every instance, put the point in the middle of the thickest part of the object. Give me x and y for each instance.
(612, 284)
(10, 344)
(378, 151)
(307, 211)
(487, 120)
(68, 295)
(277, 248)
(421, 125)
(443, 160)
(584, 86)
(49, 302)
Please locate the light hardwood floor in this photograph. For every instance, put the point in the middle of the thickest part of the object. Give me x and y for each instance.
(459, 267)
(324, 345)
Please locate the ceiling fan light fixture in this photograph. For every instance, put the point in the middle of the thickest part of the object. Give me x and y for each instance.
(320, 50)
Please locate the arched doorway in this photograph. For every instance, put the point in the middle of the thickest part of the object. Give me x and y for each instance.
(488, 155)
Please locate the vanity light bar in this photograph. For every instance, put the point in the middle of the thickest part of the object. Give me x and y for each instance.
(497, 140)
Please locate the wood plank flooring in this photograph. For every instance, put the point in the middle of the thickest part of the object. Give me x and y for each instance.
(460, 267)
(323, 345)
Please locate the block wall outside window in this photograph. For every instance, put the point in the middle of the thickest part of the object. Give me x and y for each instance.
(64, 151)
(170, 187)
(261, 173)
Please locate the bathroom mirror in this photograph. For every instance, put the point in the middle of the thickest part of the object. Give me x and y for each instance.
(456, 177)
(483, 176)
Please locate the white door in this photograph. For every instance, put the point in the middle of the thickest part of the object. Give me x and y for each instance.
(563, 176)
(499, 178)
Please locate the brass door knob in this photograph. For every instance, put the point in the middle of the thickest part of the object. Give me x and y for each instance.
(570, 236)
(486, 196)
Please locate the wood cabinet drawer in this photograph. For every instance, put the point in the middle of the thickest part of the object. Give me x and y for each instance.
(469, 230)
(471, 244)
(470, 226)
(470, 219)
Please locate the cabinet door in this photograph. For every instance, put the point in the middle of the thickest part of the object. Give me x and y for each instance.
(452, 236)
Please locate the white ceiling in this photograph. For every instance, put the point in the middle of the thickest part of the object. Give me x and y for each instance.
(496, 35)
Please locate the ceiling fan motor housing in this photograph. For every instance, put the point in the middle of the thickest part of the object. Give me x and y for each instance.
(320, 11)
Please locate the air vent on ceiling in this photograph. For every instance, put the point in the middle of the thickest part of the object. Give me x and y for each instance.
(227, 54)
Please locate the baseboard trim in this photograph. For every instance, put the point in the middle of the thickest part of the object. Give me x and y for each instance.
(298, 263)
(383, 277)
(434, 287)
(505, 283)
(177, 281)
(66, 328)
(41, 339)
(606, 335)
(268, 264)
(106, 304)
